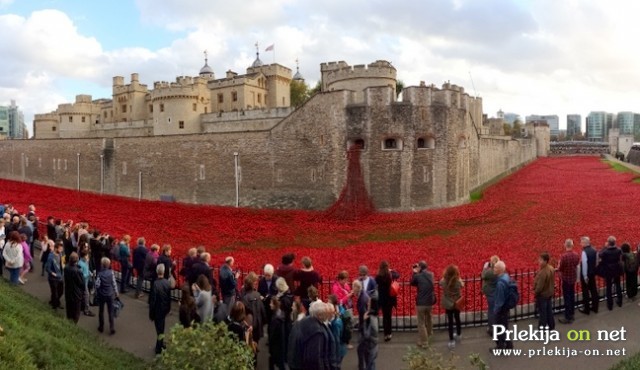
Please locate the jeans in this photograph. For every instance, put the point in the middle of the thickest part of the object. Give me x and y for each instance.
(502, 318)
(57, 289)
(14, 275)
(139, 281)
(159, 324)
(386, 319)
(632, 283)
(611, 282)
(491, 316)
(125, 276)
(590, 296)
(102, 301)
(545, 310)
(451, 316)
(569, 295)
(425, 327)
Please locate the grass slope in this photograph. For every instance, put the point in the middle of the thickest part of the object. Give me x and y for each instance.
(32, 337)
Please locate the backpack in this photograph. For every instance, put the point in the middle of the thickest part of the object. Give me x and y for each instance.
(513, 296)
(394, 289)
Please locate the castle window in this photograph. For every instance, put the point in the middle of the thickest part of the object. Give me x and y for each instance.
(259, 98)
(181, 124)
(150, 108)
(462, 143)
(70, 118)
(53, 128)
(195, 107)
(124, 108)
(105, 114)
(357, 144)
(111, 113)
(392, 144)
(234, 96)
(206, 110)
(84, 119)
(426, 143)
(220, 98)
(161, 107)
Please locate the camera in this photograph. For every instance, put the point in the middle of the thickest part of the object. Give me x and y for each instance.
(415, 265)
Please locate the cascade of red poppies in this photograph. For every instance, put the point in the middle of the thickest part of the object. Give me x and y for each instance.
(354, 202)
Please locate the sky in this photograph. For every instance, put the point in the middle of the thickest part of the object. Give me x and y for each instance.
(522, 56)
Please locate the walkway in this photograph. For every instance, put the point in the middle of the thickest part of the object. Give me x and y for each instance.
(135, 333)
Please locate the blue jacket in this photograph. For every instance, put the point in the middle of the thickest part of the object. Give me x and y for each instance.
(54, 265)
(106, 285)
(227, 281)
(139, 257)
(500, 295)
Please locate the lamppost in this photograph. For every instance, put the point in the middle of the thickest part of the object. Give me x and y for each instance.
(101, 173)
(139, 185)
(23, 167)
(235, 156)
(78, 170)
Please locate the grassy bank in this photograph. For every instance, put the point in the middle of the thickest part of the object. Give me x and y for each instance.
(32, 337)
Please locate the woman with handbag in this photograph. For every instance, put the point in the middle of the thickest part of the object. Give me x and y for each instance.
(387, 295)
(452, 301)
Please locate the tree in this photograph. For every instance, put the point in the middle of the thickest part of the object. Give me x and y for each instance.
(516, 131)
(299, 93)
(399, 87)
(209, 344)
(316, 89)
(507, 129)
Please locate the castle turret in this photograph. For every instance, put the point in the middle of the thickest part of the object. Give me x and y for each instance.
(206, 71)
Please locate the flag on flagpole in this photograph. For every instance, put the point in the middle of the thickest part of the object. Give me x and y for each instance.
(269, 48)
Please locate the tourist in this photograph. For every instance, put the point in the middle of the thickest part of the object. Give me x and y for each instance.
(160, 304)
(203, 267)
(630, 261)
(139, 258)
(51, 228)
(26, 253)
(99, 248)
(568, 268)
(590, 296)
(169, 265)
(422, 279)
(267, 288)
(237, 325)
(67, 243)
(286, 270)
(313, 294)
(83, 265)
(363, 301)
(277, 339)
(368, 341)
(47, 248)
(488, 289)
(610, 268)
(336, 313)
(297, 311)
(318, 344)
(451, 285)
(54, 274)
(13, 255)
(501, 309)
(342, 290)
(204, 299)
(254, 306)
(125, 263)
(150, 263)
(306, 277)
(73, 288)
(285, 298)
(188, 261)
(386, 300)
(3, 237)
(543, 288)
(106, 294)
(228, 282)
(188, 312)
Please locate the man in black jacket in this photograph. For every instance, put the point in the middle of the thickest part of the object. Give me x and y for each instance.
(611, 267)
(73, 288)
(590, 297)
(160, 305)
(139, 257)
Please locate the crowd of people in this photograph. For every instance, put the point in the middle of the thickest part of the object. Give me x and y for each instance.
(283, 304)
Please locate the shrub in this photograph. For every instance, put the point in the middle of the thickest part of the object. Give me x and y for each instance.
(209, 346)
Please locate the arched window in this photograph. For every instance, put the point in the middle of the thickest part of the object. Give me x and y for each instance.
(462, 143)
(392, 144)
(427, 142)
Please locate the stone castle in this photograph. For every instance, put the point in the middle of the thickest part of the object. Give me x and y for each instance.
(238, 141)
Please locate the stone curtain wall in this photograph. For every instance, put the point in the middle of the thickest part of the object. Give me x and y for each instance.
(299, 162)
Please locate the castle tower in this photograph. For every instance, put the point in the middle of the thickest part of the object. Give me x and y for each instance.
(298, 76)
(257, 63)
(206, 72)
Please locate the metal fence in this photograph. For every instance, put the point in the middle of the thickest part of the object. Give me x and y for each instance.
(474, 315)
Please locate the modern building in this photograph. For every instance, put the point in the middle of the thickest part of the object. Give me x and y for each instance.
(625, 122)
(552, 120)
(597, 126)
(574, 125)
(12, 124)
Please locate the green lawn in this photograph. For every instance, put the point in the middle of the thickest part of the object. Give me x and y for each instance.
(32, 337)
(632, 363)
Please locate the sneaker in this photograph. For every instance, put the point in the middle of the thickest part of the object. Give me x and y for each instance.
(112, 332)
(100, 329)
(89, 313)
(452, 344)
(562, 320)
(457, 337)
(21, 281)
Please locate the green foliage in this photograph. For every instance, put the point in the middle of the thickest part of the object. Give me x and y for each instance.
(516, 131)
(476, 195)
(316, 89)
(399, 87)
(507, 129)
(209, 346)
(299, 93)
(428, 359)
(33, 337)
(631, 363)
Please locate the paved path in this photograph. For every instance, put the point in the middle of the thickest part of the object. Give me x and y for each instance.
(135, 333)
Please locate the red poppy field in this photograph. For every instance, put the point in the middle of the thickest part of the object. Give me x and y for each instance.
(531, 211)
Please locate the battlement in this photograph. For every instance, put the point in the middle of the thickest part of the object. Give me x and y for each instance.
(135, 86)
(449, 95)
(53, 116)
(339, 75)
(270, 70)
(83, 98)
